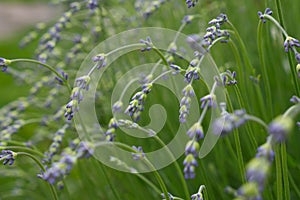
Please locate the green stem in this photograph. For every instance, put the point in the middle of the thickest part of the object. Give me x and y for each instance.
(22, 148)
(293, 111)
(53, 191)
(238, 149)
(278, 173)
(257, 120)
(294, 185)
(285, 172)
(181, 177)
(281, 26)
(185, 188)
(46, 66)
(147, 162)
(248, 128)
(264, 69)
(109, 182)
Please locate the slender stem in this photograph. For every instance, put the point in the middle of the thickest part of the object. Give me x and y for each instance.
(22, 148)
(285, 172)
(185, 188)
(181, 177)
(162, 57)
(109, 182)
(161, 75)
(44, 65)
(256, 119)
(244, 49)
(126, 88)
(136, 45)
(264, 68)
(294, 185)
(147, 162)
(284, 33)
(248, 128)
(292, 111)
(238, 148)
(278, 173)
(275, 22)
(53, 191)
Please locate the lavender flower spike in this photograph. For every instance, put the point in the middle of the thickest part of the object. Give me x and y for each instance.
(4, 63)
(280, 127)
(8, 156)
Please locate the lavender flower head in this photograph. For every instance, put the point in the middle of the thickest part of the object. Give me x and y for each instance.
(184, 110)
(196, 131)
(295, 99)
(197, 196)
(290, 42)
(191, 3)
(171, 197)
(268, 11)
(8, 157)
(266, 151)
(208, 100)
(192, 147)
(190, 165)
(101, 60)
(83, 82)
(229, 121)
(280, 127)
(139, 153)
(258, 170)
(249, 191)
(148, 43)
(4, 63)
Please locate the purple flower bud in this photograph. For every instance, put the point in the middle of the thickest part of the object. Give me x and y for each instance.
(139, 153)
(190, 165)
(258, 170)
(196, 131)
(4, 63)
(280, 127)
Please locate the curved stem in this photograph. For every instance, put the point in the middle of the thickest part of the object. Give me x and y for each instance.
(22, 148)
(181, 177)
(147, 162)
(53, 191)
(293, 111)
(161, 75)
(256, 119)
(284, 33)
(46, 66)
(264, 68)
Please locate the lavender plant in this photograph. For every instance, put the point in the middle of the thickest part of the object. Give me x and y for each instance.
(212, 70)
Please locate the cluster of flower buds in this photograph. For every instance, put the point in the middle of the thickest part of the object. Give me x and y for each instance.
(59, 169)
(136, 105)
(261, 15)
(191, 3)
(82, 83)
(228, 121)
(149, 8)
(188, 93)
(139, 154)
(8, 157)
(193, 70)
(226, 79)
(4, 63)
(214, 31)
